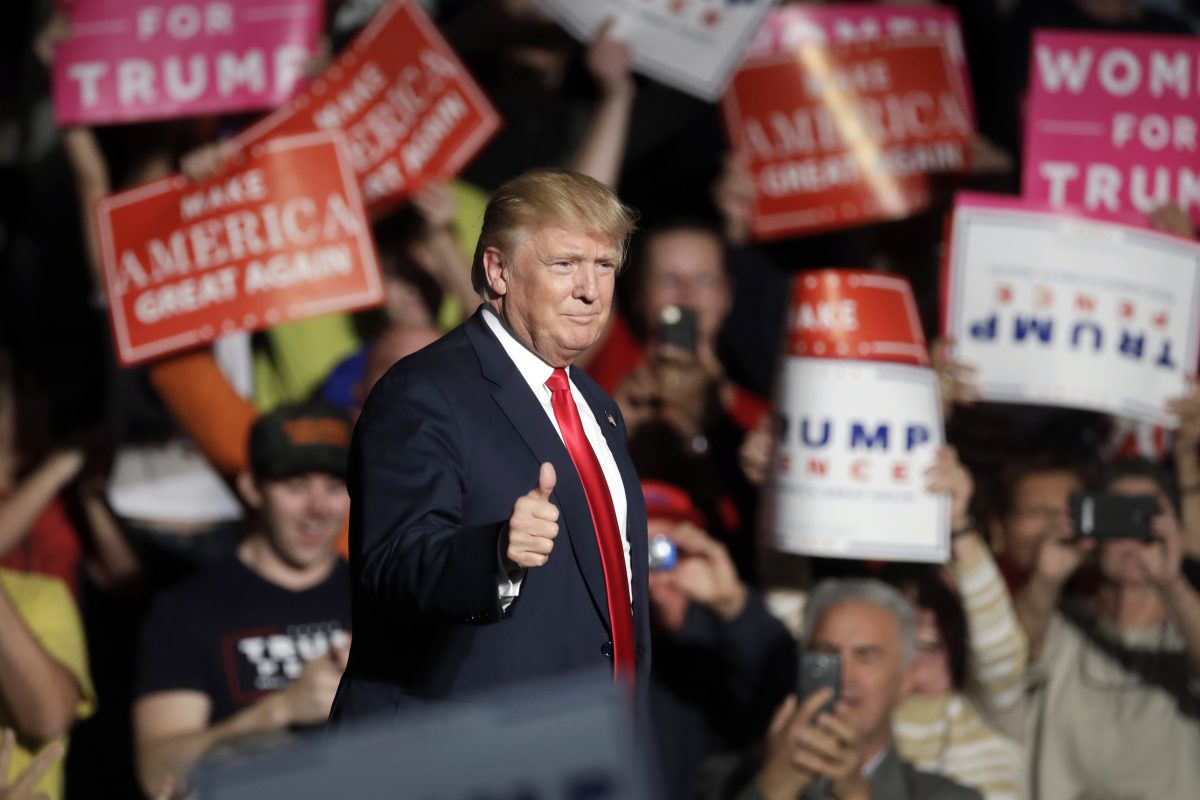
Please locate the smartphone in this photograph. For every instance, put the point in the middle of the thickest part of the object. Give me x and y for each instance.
(1098, 515)
(818, 670)
(677, 327)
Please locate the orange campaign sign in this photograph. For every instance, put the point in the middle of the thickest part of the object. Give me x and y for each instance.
(280, 236)
(409, 109)
(855, 314)
(843, 134)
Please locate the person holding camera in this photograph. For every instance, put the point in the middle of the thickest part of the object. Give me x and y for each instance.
(1114, 680)
(836, 742)
(722, 662)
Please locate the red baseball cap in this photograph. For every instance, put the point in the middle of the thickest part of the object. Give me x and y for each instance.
(665, 500)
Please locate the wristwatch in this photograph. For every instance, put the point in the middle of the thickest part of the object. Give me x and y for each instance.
(968, 526)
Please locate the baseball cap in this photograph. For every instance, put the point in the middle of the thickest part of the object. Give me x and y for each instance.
(667, 501)
(298, 438)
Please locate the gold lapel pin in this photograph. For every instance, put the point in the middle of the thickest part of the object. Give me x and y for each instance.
(611, 420)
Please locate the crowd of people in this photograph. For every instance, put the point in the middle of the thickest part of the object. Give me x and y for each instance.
(173, 537)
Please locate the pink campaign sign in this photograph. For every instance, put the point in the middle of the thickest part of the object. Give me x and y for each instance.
(1111, 125)
(131, 60)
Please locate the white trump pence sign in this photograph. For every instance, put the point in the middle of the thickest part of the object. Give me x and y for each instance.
(858, 424)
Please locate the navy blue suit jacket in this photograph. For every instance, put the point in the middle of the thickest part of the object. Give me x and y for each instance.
(448, 440)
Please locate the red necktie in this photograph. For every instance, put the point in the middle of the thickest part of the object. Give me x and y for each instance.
(604, 520)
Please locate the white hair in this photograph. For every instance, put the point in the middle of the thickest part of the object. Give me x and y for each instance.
(837, 591)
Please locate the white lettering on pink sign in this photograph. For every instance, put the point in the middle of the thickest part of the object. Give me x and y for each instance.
(1112, 124)
(130, 60)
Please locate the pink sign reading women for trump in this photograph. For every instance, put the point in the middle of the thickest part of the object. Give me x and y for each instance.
(1112, 123)
(131, 60)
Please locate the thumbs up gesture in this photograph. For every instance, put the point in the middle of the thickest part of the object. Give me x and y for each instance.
(534, 523)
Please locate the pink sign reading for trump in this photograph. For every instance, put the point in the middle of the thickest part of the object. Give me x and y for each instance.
(131, 60)
(1111, 128)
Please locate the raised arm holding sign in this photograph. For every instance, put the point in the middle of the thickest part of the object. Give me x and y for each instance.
(409, 109)
(280, 237)
(845, 134)
(690, 46)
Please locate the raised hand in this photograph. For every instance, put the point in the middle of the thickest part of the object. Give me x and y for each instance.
(1171, 218)
(705, 573)
(534, 523)
(608, 60)
(956, 380)
(49, 37)
(733, 195)
(805, 745)
(948, 475)
(207, 160)
(1161, 560)
(1059, 556)
(1188, 409)
(436, 204)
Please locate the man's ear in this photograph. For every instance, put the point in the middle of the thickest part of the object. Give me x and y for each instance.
(248, 489)
(494, 269)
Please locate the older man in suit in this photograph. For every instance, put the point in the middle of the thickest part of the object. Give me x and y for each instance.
(497, 529)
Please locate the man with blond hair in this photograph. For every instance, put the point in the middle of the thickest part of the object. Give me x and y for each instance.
(497, 527)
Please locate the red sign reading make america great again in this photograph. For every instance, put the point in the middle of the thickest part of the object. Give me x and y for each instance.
(281, 236)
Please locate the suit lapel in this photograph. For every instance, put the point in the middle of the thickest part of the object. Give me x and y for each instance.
(515, 399)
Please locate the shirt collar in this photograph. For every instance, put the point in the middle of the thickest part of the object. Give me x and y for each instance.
(868, 769)
(535, 371)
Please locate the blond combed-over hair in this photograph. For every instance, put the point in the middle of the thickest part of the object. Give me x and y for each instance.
(550, 198)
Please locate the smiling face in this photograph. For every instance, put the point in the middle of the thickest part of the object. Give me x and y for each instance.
(554, 289)
(303, 516)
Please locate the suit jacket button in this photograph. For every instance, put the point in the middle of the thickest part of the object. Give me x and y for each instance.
(606, 649)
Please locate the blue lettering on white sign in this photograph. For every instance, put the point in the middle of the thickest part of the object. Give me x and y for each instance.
(817, 434)
(1085, 335)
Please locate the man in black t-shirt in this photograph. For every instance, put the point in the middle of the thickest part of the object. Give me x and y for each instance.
(257, 644)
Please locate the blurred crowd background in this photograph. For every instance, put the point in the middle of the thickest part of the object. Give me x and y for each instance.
(128, 496)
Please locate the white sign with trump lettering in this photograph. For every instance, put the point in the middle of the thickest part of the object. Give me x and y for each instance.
(1060, 310)
(692, 45)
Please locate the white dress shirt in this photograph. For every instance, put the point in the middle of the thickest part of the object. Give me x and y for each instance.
(536, 372)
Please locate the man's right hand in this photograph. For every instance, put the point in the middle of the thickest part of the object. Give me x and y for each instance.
(308, 699)
(533, 524)
(1058, 557)
(805, 745)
